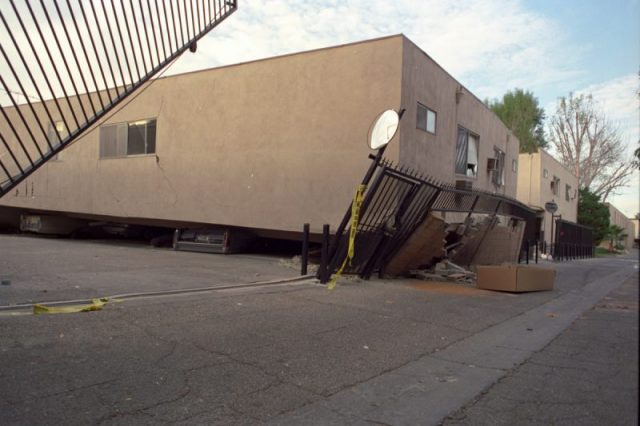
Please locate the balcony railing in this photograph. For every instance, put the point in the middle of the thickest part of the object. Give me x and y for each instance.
(65, 64)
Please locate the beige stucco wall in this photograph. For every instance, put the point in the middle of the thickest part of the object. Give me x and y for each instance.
(424, 81)
(269, 144)
(636, 227)
(534, 189)
(616, 217)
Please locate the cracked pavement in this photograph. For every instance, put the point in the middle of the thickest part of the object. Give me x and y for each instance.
(588, 375)
(377, 352)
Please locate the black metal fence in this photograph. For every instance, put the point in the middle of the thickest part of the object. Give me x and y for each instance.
(571, 241)
(395, 204)
(65, 64)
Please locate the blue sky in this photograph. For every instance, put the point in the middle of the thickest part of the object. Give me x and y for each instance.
(548, 47)
(606, 32)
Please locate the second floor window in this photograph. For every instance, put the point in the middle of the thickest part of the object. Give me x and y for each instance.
(124, 139)
(555, 184)
(498, 174)
(466, 153)
(56, 132)
(426, 119)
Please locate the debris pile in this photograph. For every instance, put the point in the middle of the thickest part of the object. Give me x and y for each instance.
(445, 270)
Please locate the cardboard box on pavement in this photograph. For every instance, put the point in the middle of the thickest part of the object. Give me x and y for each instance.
(515, 278)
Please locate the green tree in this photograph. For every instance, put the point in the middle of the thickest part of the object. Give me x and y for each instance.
(520, 112)
(615, 234)
(594, 213)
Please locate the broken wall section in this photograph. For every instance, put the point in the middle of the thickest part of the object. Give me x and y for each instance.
(490, 241)
(425, 244)
(479, 240)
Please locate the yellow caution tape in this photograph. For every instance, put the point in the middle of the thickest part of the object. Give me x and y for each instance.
(96, 305)
(355, 217)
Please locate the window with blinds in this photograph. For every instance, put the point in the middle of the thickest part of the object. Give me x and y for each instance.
(126, 139)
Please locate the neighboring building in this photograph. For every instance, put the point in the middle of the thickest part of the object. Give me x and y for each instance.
(273, 143)
(636, 233)
(616, 217)
(542, 179)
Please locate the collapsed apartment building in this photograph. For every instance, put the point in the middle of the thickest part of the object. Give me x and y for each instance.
(262, 147)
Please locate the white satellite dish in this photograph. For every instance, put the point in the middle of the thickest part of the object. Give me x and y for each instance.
(383, 129)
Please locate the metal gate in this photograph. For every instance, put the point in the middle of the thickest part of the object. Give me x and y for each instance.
(395, 204)
(65, 65)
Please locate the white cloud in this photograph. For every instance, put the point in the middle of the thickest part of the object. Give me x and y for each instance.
(618, 99)
(627, 200)
(490, 46)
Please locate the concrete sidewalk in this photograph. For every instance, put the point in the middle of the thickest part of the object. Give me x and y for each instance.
(588, 375)
(397, 352)
(426, 390)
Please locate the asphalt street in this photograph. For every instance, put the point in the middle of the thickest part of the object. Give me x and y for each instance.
(46, 269)
(386, 352)
(588, 375)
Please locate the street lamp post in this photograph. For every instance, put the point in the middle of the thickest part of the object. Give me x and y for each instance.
(551, 207)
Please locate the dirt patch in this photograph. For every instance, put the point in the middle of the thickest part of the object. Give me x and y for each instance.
(442, 287)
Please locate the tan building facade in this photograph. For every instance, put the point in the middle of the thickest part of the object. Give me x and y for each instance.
(542, 179)
(616, 217)
(636, 227)
(271, 144)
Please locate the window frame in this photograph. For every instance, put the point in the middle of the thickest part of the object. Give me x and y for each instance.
(514, 165)
(554, 184)
(426, 118)
(497, 176)
(125, 128)
(469, 135)
(56, 133)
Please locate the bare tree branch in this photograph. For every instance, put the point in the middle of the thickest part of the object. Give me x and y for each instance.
(589, 145)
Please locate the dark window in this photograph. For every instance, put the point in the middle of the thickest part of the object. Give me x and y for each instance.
(466, 153)
(56, 133)
(426, 119)
(567, 192)
(555, 184)
(136, 139)
(497, 176)
(123, 139)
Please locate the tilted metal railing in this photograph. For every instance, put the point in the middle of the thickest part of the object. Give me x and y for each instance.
(395, 204)
(65, 64)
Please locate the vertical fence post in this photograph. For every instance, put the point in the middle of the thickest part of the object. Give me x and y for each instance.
(176, 237)
(537, 242)
(304, 257)
(527, 251)
(324, 257)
